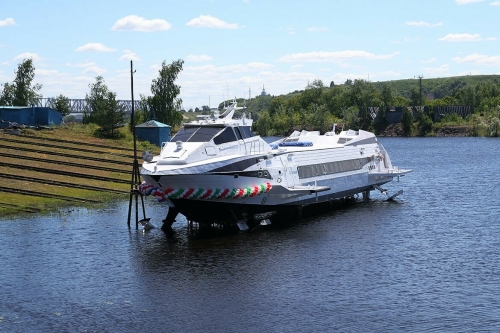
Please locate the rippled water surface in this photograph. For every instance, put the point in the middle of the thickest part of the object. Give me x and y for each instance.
(428, 262)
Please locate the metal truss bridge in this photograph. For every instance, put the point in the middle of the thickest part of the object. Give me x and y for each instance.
(79, 105)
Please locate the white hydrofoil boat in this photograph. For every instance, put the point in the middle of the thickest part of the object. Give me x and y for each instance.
(215, 170)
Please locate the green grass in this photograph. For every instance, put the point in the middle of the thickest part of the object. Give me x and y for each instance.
(77, 136)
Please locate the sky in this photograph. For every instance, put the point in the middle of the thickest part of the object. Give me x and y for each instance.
(236, 48)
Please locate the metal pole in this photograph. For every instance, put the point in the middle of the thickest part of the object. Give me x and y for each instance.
(133, 115)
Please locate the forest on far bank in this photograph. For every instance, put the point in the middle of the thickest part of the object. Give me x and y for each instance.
(319, 106)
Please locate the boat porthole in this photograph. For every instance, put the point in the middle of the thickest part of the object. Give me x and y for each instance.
(263, 201)
(278, 180)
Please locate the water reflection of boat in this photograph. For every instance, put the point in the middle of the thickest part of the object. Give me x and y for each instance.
(215, 170)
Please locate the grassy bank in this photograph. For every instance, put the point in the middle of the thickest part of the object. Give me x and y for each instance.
(44, 170)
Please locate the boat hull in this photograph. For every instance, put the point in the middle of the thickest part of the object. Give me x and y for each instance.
(193, 196)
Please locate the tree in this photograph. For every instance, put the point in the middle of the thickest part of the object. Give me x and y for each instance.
(95, 101)
(103, 109)
(22, 92)
(348, 82)
(26, 93)
(112, 117)
(332, 84)
(165, 101)
(61, 104)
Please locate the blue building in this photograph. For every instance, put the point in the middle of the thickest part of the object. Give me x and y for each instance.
(32, 116)
(153, 131)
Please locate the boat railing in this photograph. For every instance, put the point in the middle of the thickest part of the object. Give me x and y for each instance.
(255, 147)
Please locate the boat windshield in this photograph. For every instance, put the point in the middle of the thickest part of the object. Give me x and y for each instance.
(206, 133)
(196, 134)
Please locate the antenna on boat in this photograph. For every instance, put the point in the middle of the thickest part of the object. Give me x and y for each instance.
(136, 177)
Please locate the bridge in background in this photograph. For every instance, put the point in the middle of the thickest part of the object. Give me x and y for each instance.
(79, 105)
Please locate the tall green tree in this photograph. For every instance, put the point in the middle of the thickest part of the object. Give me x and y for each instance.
(22, 92)
(112, 116)
(164, 100)
(95, 100)
(103, 109)
(26, 92)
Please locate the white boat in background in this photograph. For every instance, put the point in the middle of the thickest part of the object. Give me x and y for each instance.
(215, 170)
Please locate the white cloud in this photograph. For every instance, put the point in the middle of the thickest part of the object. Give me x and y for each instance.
(406, 40)
(198, 58)
(443, 70)
(207, 21)
(423, 24)
(312, 29)
(231, 69)
(46, 72)
(129, 55)
(479, 59)
(466, 2)
(461, 38)
(333, 56)
(82, 64)
(386, 74)
(94, 70)
(428, 61)
(96, 47)
(290, 30)
(27, 55)
(5, 63)
(491, 38)
(495, 3)
(137, 23)
(7, 21)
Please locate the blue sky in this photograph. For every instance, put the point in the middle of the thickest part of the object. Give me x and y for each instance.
(232, 46)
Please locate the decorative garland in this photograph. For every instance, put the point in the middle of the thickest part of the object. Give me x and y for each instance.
(199, 193)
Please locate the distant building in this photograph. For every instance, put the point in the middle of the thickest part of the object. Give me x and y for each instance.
(30, 115)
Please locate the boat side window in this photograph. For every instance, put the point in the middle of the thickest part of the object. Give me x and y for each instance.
(246, 132)
(204, 134)
(227, 135)
(184, 134)
(238, 133)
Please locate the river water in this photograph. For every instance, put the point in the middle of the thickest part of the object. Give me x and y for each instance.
(428, 262)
